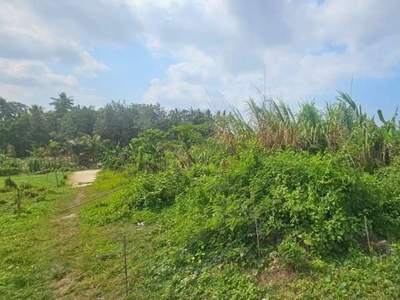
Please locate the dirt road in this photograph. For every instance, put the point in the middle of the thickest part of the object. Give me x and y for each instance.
(83, 178)
(69, 244)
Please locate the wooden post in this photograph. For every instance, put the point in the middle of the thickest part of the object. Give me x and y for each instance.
(55, 172)
(366, 230)
(125, 268)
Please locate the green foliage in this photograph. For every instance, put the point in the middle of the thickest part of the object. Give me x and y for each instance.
(9, 183)
(62, 104)
(315, 200)
(293, 255)
(341, 127)
(304, 207)
(155, 191)
(218, 282)
(34, 165)
(120, 122)
(301, 202)
(85, 135)
(10, 166)
(78, 121)
(147, 152)
(362, 277)
(276, 207)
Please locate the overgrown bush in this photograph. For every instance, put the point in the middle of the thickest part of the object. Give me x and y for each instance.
(317, 201)
(301, 205)
(10, 166)
(148, 192)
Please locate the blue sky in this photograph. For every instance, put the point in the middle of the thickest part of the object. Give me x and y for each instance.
(188, 53)
(130, 69)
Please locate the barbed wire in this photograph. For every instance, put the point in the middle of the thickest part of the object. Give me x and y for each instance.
(91, 200)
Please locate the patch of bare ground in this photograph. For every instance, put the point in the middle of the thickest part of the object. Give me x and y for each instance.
(276, 274)
(83, 178)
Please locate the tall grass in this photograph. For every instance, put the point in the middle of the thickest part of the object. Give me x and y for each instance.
(341, 126)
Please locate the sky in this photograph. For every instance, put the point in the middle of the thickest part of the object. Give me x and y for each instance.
(200, 53)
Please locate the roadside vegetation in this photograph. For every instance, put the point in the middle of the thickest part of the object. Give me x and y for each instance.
(273, 204)
(282, 206)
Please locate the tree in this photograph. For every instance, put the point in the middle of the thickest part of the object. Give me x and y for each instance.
(62, 104)
(77, 121)
(116, 122)
(120, 122)
(14, 127)
(87, 149)
(39, 134)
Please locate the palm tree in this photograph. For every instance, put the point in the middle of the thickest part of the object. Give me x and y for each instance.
(62, 104)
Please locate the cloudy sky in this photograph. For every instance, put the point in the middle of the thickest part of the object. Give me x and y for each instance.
(190, 53)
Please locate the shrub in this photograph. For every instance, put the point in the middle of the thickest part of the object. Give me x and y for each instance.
(293, 255)
(9, 183)
(10, 166)
(298, 204)
(155, 191)
(315, 200)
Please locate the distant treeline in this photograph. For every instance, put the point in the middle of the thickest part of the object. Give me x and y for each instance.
(25, 128)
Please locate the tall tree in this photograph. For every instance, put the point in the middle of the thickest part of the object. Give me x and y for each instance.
(78, 121)
(39, 134)
(62, 104)
(14, 127)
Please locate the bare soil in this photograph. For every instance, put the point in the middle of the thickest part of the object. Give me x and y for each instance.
(83, 178)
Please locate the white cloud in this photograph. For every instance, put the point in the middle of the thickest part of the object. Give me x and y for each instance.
(89, 66)
(177, 91)
(32, 73)
(32, 81)
(39, 37)
(15, 92)
(306, 48)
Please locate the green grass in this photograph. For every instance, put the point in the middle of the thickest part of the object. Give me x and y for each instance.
(43, 257)
(101, 261)
(368, 277)
(27, 239)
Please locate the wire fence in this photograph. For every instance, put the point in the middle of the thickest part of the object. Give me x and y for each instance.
(91, 200)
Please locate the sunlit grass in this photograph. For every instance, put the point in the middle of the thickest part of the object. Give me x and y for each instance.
(27, 238)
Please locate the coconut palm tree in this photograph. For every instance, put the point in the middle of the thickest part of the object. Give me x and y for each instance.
(62, 104)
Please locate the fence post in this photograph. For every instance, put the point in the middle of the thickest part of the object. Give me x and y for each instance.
(366, 230)
(18, 201)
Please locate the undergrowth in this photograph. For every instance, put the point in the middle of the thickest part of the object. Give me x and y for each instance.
(285, 225)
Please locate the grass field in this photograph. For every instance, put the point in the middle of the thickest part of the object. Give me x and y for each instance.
(48, 252)
(28, 238)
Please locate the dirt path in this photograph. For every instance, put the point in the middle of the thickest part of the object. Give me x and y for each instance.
(68, 243)
(83, 178)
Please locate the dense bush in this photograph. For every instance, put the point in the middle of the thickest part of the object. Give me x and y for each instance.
(301, 206)
(10, 166)
(148, 193)
(312, 202)
(154, 191)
